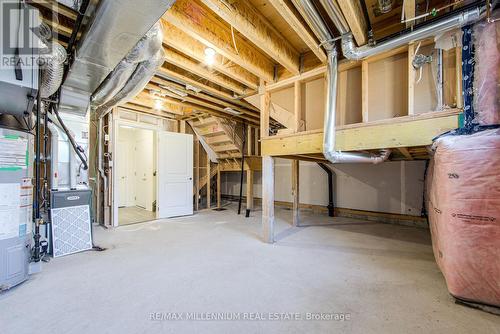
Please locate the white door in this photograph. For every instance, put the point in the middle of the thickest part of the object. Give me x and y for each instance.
(123, 169)
(144, 154)
(175, 174)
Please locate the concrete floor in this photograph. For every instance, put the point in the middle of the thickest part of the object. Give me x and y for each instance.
(134, 214)
(383, 276)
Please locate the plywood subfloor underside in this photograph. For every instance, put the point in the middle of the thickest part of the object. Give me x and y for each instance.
(385, 276)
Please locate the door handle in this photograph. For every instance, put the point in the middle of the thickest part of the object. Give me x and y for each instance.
(190, 179)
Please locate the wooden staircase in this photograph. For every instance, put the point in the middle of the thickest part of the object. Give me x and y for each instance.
(224, 138)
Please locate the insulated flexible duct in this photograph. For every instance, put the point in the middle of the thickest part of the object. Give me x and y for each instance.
(116, 80)
(136, 83)
(52, 65)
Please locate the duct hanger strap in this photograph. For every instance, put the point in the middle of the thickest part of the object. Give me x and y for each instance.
(329, 41)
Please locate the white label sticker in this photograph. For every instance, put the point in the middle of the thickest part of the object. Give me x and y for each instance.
(10, 210)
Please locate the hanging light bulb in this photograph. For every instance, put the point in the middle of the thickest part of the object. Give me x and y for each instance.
(158, 104)
(209, 56)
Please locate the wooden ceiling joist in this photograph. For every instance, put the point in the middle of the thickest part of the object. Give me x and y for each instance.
(201, 24)
(200, 95)
(289, 14)
(180, 41)
(193, 101)
(355, 18)
(218, 93)
(187, 64)
(248, 21)
(145, 110)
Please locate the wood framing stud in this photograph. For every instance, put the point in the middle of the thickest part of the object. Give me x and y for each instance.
(268, 199)
(297, 105)
(295, 192)
(249, 189)
(265, 108)
(411, 80)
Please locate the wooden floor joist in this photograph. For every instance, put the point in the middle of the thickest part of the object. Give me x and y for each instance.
(397, 132)
(201, 24)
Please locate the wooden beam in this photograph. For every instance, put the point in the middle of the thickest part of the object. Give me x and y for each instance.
(364, 91)
(290, 15)
(193, 103)
(238, 105)
(201, 24)
(55, 7)
(295, 193)
(458, 74)
(355, 18)
(409, 8)
(408, 131)
(248, 21)
(182, 126)
(249, 189)
(411, 79)
(304, 77)
(180, 41)
(268, 199)
(265, 108)
(404, 151)
(297, 106)
(189, 65)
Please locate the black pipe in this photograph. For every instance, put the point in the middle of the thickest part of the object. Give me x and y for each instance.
(45, 155)
(36, 199)
(78, 149)
(242, 166)
(331, 205)
(371, 38)
(78, 24)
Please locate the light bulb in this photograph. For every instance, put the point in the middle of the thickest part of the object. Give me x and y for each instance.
(209, 56)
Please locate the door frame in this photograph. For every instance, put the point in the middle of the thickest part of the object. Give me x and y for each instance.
(117, 122)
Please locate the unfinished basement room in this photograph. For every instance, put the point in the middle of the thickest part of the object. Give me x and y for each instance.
(249, 166)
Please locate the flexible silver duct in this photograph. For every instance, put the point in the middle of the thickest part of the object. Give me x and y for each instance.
(52, 65)
(136, 83)
(351, 51)
(116, 80)
(306, 8)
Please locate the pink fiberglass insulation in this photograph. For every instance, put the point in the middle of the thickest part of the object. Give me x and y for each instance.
(463, 200)
(487, 72)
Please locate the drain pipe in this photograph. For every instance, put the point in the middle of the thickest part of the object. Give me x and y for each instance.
(307, 9)
(331, 174)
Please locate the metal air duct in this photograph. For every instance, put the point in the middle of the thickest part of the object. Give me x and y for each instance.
(351, 51)
(116, 28)
(307, 8)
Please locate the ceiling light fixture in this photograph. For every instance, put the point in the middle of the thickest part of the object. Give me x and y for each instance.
(158, 104)
(209, 56)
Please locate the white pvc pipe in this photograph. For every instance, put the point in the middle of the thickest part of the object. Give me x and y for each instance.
(54, 156)
(73, 166)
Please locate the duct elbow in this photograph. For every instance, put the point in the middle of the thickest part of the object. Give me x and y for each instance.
(349, 48)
